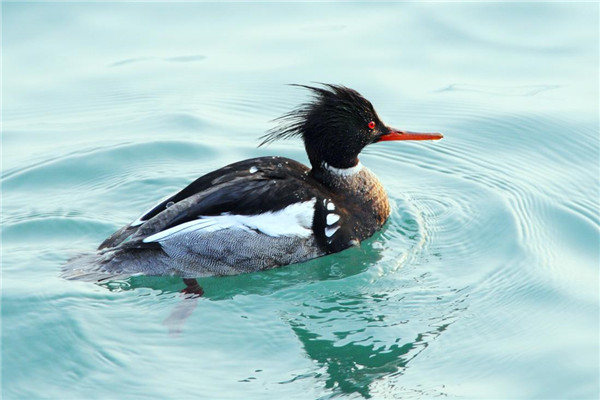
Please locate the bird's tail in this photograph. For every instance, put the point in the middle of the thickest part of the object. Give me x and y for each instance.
(117, 263)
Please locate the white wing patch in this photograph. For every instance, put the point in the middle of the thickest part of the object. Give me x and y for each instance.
(294, 220)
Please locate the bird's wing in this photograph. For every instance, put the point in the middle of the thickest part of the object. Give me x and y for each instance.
(272, 187)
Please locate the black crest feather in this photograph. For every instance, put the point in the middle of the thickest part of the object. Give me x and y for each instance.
(345, 101)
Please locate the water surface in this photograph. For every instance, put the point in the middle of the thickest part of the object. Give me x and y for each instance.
(484, 283)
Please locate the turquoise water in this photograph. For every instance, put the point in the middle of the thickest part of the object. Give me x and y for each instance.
(484, 283)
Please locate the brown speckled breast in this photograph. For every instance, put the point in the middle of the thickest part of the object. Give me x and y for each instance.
(365, 200)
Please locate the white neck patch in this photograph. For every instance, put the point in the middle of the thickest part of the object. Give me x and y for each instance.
(344, 171)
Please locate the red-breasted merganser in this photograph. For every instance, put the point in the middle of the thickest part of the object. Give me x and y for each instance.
(263, 212)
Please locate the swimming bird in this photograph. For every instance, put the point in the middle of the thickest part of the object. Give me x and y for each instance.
(263, 212)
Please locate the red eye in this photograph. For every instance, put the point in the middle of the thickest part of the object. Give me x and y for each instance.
(371, 124)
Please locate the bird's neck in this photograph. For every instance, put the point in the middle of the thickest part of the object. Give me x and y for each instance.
(342, 172)
(361, 189)
(357, 180)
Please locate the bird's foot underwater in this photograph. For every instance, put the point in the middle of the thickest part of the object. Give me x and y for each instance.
(184, 309)
(192, 288)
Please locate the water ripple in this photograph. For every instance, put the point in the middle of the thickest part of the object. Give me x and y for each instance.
(188, 58)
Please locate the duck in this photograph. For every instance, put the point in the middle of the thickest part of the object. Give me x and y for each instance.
(263, 212)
